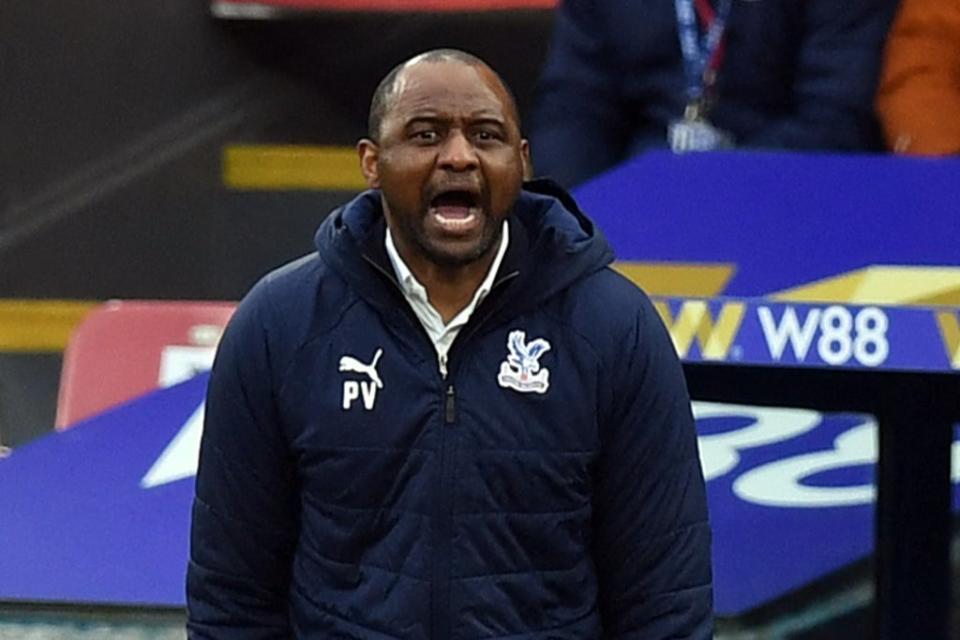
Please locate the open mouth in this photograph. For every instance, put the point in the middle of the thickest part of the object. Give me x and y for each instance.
(455, 210)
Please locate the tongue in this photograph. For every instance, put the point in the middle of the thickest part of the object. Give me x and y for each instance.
(452, 211)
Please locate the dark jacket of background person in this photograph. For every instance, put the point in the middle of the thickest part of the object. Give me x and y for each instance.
(797, 74)
(455, 508)
(919, 98)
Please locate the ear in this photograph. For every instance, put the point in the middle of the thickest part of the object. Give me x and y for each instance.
(369, 153)
(525, 159)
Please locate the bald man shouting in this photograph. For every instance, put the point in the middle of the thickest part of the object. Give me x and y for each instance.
(453, 420)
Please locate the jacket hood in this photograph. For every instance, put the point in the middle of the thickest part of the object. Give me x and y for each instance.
(552, 242)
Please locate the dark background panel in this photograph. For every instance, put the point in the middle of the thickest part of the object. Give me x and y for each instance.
(28, 395)
(119, 114)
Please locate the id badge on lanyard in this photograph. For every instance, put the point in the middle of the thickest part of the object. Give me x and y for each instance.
(702, 56)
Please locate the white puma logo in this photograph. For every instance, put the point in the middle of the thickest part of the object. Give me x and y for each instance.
(352, 389)
(349, 363)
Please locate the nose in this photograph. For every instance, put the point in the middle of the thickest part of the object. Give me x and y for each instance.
(457, 153)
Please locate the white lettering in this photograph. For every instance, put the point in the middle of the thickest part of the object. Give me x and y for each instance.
(369, 390)
(789, 328)
(719, 453)
(842, 335)
(871, 325)
(779, 483)
(179, 458)
(835, 328)
(351, 391)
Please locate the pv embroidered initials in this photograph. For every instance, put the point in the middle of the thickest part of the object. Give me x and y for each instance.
(365, 390)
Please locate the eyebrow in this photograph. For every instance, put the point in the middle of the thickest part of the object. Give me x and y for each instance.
(472, 120)
(489, 120)
(417, 119)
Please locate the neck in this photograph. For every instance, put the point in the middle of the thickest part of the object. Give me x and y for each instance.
(449, 288)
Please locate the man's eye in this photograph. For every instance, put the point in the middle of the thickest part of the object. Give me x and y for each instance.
(426, 135)
(486, 136)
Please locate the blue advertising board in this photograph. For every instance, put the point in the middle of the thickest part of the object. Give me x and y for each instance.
(799, 226)
(78, 522)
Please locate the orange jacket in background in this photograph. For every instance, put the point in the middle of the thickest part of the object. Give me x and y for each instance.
(918, 102)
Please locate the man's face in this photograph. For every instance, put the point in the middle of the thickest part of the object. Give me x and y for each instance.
(449, 163)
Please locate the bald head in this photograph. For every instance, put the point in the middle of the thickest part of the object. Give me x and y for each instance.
(392, 84)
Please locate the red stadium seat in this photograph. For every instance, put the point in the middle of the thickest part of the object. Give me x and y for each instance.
(123, 349)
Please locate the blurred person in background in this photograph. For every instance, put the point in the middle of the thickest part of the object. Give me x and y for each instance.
(623, 76)
(454, 419)
(919, 98)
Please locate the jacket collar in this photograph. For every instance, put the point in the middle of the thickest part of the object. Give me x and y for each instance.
(552, 244)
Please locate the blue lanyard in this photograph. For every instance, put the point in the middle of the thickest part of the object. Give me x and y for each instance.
(698, 52)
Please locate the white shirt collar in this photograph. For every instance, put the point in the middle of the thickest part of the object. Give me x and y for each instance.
(412, 288)
(442, 335)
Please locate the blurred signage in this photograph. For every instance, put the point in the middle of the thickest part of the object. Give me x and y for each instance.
(761, 332)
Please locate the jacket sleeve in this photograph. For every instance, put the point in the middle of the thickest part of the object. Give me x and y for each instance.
(919, 98)
(652, 537)
(245, 518)
(835, 79)
(579, 125)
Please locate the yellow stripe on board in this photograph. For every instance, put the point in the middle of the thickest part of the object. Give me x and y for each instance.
(882, 284)
(30, 325)
(40, 325)
(950, 331)
(677, 278)
(264, 167)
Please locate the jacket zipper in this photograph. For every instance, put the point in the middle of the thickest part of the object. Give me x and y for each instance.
(450, 414)
(440, 615)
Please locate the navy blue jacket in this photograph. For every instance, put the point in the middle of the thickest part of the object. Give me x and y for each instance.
(797, 74)
(334, 501)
